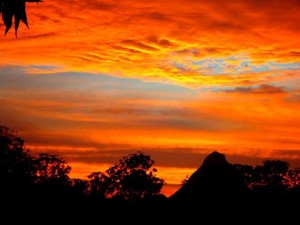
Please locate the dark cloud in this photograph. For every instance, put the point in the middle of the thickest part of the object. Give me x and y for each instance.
(293, 98)
(127, 49)
(292, 54)
(170, 157)
(261, 89)
(104, 5)
(292, 157)
(93, 57)
(99, 5)
(288, 153)
(41, 36)
(122, 111)
(163, 157)
(139, 111)
(156, 16)
(139, 45)
(163, 42)
(227, 26)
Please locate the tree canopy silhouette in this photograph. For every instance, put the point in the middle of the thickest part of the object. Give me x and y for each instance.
(132, 178)
(23, 175)
(17, 171)
(273, 177)
(52, 173)
(100, 184)
(14, 9)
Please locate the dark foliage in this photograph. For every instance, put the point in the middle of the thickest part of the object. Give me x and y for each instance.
(133, 178)
(17, 172)
(272, 178)
(14, 10)
(38, 189)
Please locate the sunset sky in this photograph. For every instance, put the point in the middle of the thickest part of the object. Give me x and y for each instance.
(93, 81)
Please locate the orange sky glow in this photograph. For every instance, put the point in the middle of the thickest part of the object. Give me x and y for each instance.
(95, 81)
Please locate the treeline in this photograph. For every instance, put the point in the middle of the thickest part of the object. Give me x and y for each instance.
(42, 182)
(272, 178)
(133, 178)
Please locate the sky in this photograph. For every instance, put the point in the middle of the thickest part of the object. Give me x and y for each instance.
(93, 81)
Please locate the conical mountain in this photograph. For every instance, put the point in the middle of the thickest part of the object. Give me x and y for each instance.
(215, 180)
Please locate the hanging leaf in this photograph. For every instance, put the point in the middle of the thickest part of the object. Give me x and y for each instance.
(14, 10)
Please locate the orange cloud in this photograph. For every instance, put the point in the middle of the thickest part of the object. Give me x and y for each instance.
(156, 40)
(92, 81)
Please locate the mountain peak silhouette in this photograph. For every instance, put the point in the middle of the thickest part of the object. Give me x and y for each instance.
(214, 160)
(215, 179)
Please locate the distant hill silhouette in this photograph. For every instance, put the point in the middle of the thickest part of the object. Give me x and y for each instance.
(216, 192)
(214, 189)
(214, 180)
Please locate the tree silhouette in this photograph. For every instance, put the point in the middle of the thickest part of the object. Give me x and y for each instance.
(183, 182)
(272, 178)
(17, 171)
(52, 173)
(132, 178)
(79, 187)
(247, 174)
(273, 173)
(293, 178)
(99, 185)
(14, 9)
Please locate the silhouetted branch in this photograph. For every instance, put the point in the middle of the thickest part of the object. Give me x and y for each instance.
(14, 10)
